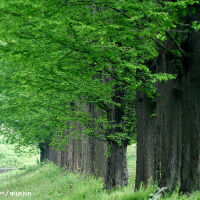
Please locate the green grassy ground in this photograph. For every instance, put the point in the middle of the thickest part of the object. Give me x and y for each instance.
(50, 182)
(131, 158)
(9, 157)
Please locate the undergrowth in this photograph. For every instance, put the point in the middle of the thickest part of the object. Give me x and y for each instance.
(49, 182)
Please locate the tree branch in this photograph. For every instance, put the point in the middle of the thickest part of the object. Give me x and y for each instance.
(118, 10)
(166, 49)
(177, 44)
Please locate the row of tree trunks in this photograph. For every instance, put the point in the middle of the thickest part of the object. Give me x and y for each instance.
(89, 155)
(86, 155)
(83, 154)
(176, 131)
(47, 153)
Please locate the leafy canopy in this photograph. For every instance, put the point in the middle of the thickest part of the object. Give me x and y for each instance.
(58, 55)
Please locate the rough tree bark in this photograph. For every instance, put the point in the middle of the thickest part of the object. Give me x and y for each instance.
(145, 107)
(116, 173)
(84, 155)
(159, 138)
(190, 173)
(168, 130)
(177, 126)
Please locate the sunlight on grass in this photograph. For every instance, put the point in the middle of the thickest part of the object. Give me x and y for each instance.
(131, 161)
(47, 181)
(10, 158)
(51, 182)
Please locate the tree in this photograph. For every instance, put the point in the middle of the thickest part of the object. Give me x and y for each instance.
(176, 136)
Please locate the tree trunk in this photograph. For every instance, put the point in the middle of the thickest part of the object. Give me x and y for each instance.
(190, 173)
(145, 107)
(177, 133)
(44, 151)
(116, 174)
(89, 159)
(159, 138)
(168, 124)
(168, 137)
(116, 170)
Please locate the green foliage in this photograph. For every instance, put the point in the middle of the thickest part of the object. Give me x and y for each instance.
(59, 56)
(196, 25)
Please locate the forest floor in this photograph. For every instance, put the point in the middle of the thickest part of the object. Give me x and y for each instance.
(49, 182)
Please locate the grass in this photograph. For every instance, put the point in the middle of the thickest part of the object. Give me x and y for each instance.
(9, 157)
(131, 162)
(49, 182)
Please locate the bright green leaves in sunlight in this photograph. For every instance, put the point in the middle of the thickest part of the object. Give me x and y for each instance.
(57, 56)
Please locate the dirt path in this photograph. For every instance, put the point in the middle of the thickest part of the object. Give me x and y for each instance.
(4, 170)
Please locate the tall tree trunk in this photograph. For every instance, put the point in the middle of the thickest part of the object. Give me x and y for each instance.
(168, 125)
(159, 138)
(178, 118)
(177, 135)
(145, 107)
(90, 143)
(116, 174)
(116, 170)
(190, 173)
(177, 126)
(168, 137)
